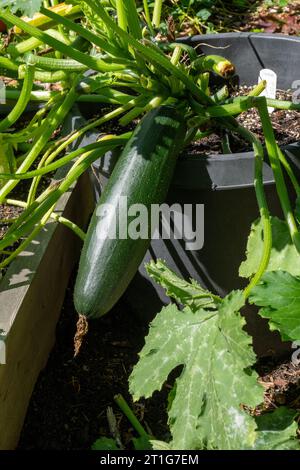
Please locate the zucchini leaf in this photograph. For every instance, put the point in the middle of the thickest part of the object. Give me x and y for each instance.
(189, 294)
(26, 7)
(277, 430)
(279, 295)
(216, 378)
(284, 255)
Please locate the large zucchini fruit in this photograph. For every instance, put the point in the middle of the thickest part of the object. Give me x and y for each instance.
(142, 174)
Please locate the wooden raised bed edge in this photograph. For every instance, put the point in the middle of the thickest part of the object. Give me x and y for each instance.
(31, 296)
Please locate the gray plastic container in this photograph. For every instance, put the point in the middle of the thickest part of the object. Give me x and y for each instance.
(224, 184)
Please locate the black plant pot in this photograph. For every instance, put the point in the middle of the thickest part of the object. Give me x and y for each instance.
(224, 184)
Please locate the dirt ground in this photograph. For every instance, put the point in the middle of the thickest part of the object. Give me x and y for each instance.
(70, 400)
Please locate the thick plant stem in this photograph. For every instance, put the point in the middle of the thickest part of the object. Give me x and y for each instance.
(58, 218)
(272, 149)
(121, 15)
(28, 240)
(22, 102)
(125, 408)
(258, 89)
(45, 77)
(133, 19)
(110, 143)
(149, 53)
(34, 213)
(157, 13)
(263, 207)
(289, 171)
(147, 17)
(42, 22)
(98, 122)
(83, 32)
(15, 50)
(90, 62)
(136, 112)
(175, 59)
(54, 119)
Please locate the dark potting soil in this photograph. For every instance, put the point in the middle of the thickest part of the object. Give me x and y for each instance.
(286, 125)
(70, 401)
(69, 404)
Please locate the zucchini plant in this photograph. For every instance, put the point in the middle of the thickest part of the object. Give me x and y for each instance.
(167, 87)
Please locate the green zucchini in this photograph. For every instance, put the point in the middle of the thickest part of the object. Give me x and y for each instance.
(143, 174)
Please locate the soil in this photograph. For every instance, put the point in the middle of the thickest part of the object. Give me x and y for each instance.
(69, 404)
(286, 125)
(70, 401)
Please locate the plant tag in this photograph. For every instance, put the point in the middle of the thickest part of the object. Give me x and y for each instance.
(270, 91)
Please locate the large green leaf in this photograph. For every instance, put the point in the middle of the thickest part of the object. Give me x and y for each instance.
(26, 7)
(216, 378)
(277, 430)
(186, 293)
(284, 255)
(279, 295)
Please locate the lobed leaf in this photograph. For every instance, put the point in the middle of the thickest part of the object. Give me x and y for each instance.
(284, 255)
(279, 295)
(277, 430)
(216, 379)
(185, 293)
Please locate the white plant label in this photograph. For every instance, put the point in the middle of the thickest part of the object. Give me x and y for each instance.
(270, 91)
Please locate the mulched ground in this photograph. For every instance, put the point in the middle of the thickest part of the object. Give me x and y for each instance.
(253, 16)
(286, 125)
(281, 380)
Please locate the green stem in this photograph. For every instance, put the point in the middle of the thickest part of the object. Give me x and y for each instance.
(58, 218)
(8, 64)
(286, 105)
(28, 240)
(226, 144)
(22, 102)
(175, 59)
(85, 33)
(121, 15)
(15, 50)
(44, 76)
(263, 207)
(133, 19)
(220, 95)
(54, 119)
(108, 95)
(49, 63)
(90, 62)
(47, 200)
(258, 89)
(106, 145)
(147, 17)
(136, 112)
(156, 19)
(38, 95)
(125, 408)
(289, 171)
(98, 122)
(149, 53)
(238, 106)
(272, 150)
